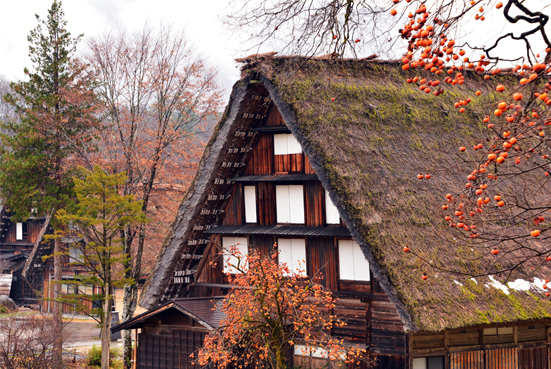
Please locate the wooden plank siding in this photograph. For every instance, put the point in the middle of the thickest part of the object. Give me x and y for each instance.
(291, 163)
(314, 202)
(33, 230)
(266, 202)
(387, 332)
(261, 158)
(274, 117)
(322, 261)
(533, 357)
(354, 313)
(467, 360)
(262, 244)
(235, 212)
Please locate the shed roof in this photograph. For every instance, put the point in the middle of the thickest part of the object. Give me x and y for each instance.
(367, 147)
(207, 311)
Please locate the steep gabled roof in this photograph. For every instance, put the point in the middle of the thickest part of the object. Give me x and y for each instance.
(367, 147)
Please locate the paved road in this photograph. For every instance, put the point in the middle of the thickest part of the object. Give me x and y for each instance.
(82, 334)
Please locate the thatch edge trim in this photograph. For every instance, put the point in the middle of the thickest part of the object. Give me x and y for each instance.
(157, 282)
(315, 161)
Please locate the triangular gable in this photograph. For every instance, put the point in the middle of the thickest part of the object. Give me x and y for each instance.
(205, 311)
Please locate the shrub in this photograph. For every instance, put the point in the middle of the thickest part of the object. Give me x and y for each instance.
(94, 356)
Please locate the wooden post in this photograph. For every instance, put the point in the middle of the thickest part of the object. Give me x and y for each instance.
(447, 347)
(368, 324)
(548, 346)
(57, 307)
(409, 350)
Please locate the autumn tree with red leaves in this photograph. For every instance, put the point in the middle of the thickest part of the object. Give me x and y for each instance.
(269, 310)
(159, 94)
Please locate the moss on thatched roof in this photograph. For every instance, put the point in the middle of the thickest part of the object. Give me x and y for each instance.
(370, 143)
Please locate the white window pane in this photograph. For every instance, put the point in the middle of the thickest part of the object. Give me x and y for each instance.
(292, 252)
(420, 363)
(250, 204)
(19, 231)
(285, 252)
(331, 212)
(280, 144)
(361, 265)
(282, 204)
(293, 147)
(296, 204)
(346, 260)
(505, 330)
(239, 244)
(298, 247)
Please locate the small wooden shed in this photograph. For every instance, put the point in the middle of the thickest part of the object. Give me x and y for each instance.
(168, 335)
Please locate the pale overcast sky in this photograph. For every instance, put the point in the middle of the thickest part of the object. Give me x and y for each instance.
(200, 19)
(94, 17)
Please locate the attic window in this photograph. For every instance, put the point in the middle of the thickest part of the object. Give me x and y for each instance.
(290, 204)
(292, 251)
(250, 204)
(352, 263)
(331, 211)
(233, 246)
(285, 144)
(20, 230)
(432, 362)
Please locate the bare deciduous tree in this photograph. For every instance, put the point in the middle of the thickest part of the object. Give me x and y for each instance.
(158, 93)
(26, 342)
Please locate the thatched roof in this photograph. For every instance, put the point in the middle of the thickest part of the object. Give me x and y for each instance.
(367, 147)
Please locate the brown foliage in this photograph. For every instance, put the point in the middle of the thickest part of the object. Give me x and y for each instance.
(26, 342)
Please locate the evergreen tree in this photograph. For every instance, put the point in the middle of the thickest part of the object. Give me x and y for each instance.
(57, 110)
(101, 214)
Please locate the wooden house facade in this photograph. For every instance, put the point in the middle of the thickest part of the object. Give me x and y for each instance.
(309, 156)
(28, 276)
(17, 242)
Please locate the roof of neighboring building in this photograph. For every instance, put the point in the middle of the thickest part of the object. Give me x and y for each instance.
(367, 147)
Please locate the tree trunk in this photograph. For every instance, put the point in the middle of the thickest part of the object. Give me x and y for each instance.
(280, 357)
(57, 308)
(106, 328)
(129, 306)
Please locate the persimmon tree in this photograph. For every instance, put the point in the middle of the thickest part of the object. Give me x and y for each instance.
(270, 309)
(55, 113)
(159, 93)
(100, 215)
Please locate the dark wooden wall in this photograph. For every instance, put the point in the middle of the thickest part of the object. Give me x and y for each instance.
(266, 203)
(33, 230)
(235, 212)
(261, 158)
(314, 203)
(292, 163)
(167, 350)
(263, 244)
(322, 261)
(526, 347)
(274, 117)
